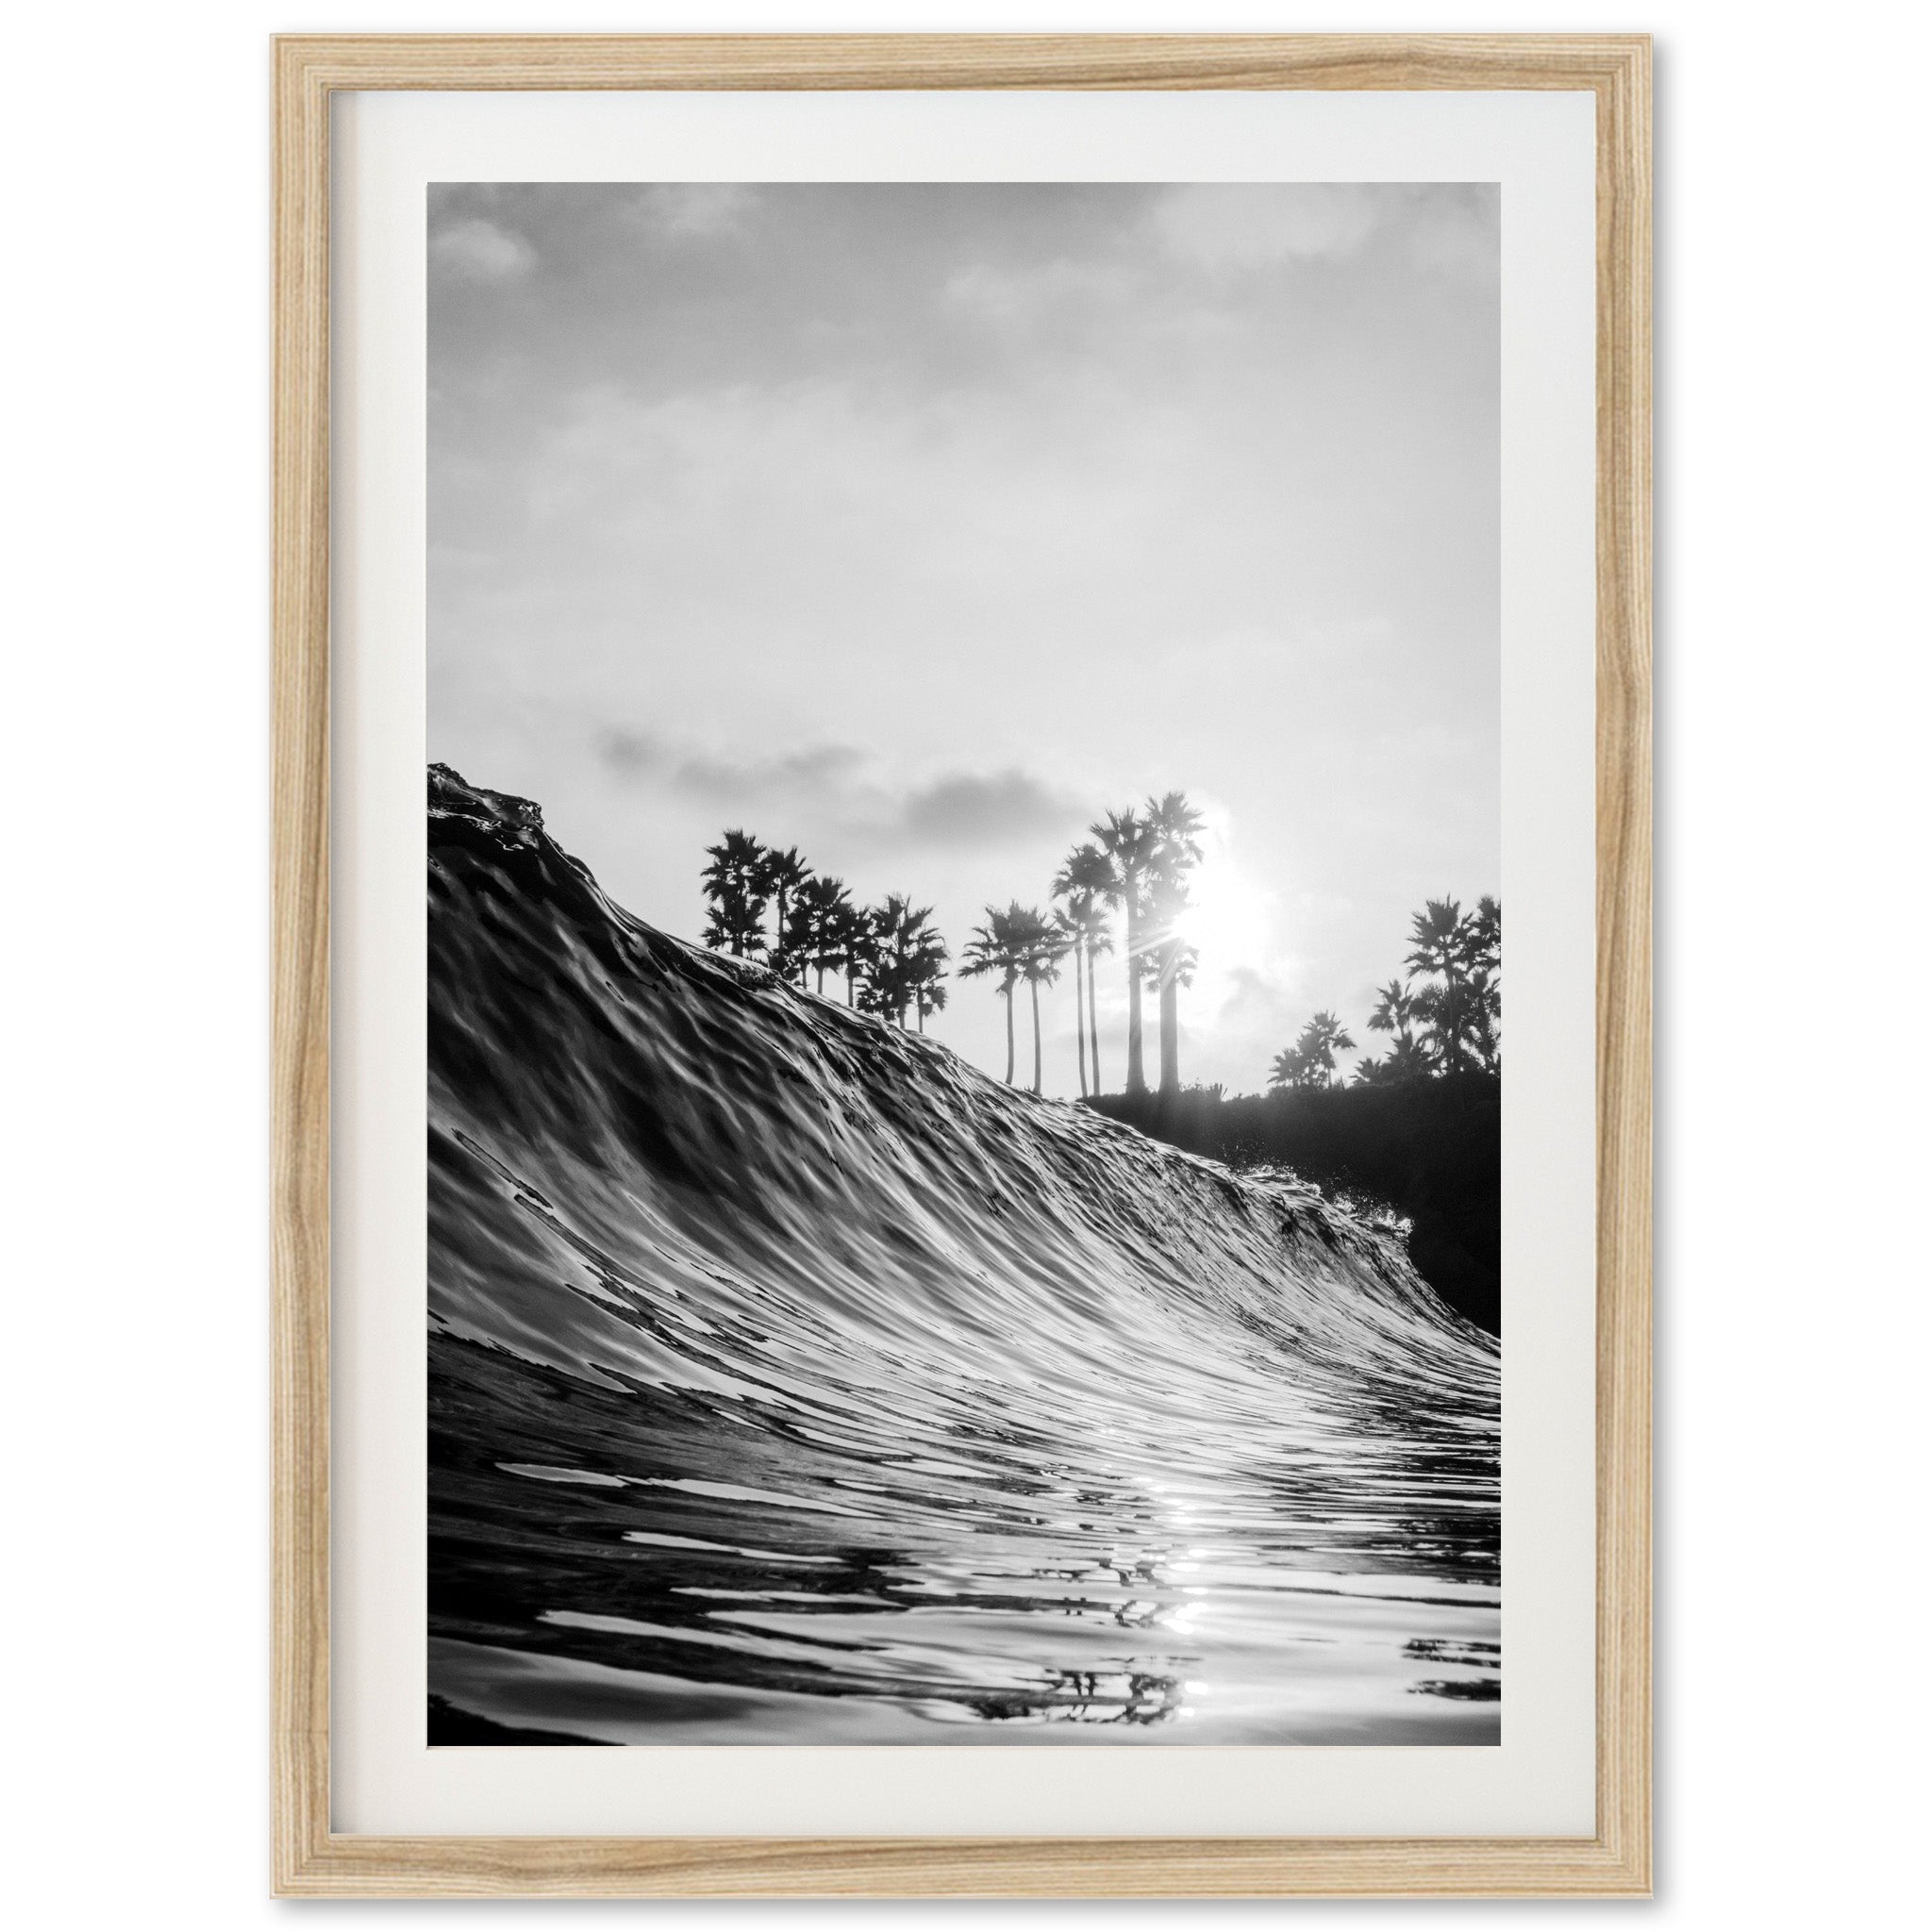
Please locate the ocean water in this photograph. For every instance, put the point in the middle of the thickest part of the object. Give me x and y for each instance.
(791, 1381)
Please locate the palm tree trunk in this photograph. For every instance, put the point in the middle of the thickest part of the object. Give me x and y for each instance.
(1170, 1027)
(1080, 1017)
(1034, 984)
(1009, 1035)
(1093, 1020)
(1136, 1079)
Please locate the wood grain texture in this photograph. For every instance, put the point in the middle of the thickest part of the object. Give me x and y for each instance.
(311, 1860)
(1354, 61)
(1624, 967)
(299, 1063)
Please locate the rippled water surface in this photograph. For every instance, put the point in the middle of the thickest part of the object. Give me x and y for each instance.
(792, 1382)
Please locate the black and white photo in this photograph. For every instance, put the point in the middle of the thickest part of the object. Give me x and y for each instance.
(965, 964)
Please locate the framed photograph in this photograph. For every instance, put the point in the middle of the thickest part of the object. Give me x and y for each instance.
(923, 1261)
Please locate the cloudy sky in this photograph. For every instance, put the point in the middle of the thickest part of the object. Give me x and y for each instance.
(917, 525)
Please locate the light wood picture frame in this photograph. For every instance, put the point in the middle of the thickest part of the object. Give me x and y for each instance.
(310, 1859)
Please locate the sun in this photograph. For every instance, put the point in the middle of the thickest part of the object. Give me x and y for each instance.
(1227, 917)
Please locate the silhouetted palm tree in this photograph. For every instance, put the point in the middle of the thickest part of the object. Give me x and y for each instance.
(1453, 1027)
(1176, 827)
(813, 932)
(1099, 938)
(1086, 882)
(1311, 1061)
(1129, 846)
(1068, 929)
(1043, 945)
(997, 951)
(926, 955)
(1437, 941)
(1438, 950)
(1484, 953)
(1486, 935)
(1461, 1007)
(910, 953)
(1082, 884)
(1330, 1037)
(1404, 1061)
(779, 876)
(1395, 1010)
(738, 900)
(928, 996)
(857, 952)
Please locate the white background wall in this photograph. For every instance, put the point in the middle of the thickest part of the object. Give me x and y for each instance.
(1793, 635)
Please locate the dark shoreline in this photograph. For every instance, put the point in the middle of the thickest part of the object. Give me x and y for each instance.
(1430, 1149)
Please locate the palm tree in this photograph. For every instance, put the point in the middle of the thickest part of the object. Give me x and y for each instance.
(731, 883)
(1311, 1061)
(779, 876)
(910, 953)
(812, 933)
(1176, 827)
(1486, 935)
(1084, 883)
(1043, 946)
(1405, 1060)
(857, 948)
(1288, 1069)
(924, 967)
(1439, 946)
(1099, 937)
(1486, 1030)
(1068, 928)
(1129, 846)
(1328, 1037)
(928, 996)
(1395, 1010)
(998, 949)
(1437, 941)
(1486, 977)
(1453, 1023)
(1461, 1009)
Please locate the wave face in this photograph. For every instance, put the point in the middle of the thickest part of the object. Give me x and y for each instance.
(792, 1381)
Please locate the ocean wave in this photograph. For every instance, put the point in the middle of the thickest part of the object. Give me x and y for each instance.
(794, 1381)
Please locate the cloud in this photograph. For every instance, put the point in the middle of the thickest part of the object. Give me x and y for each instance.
(966, 810)
(833, 784)
(815, 769)
(926, 497)
(1463, 237)
(718, 776)
(1445, 228)
(1231, 227)
(693, 209)
(1014, 297)
(630, 754)
(477, 250)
